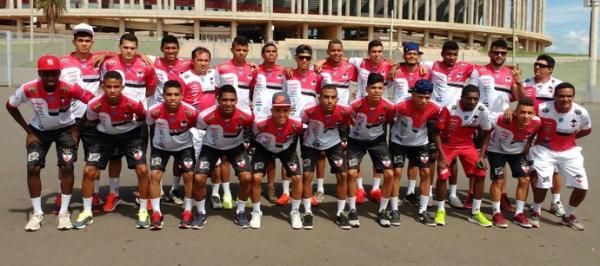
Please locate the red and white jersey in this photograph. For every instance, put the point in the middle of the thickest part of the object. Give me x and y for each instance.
(340, 76)
(559, 129)
(495, 87)
(166, 72)
(116, 119)
(52, 110)
(364, 68)
(323, 129)
(172, 130)
(303, 90)
(224, 133)
(410, 128)
(199, 90)
(137, 77)
(266, 82)
(82, 73)
(238, 77)
(404, 80)
(457, 126)
(540, 92)
(369, 123)
(448, 83)
(507, 138)
(276, 139)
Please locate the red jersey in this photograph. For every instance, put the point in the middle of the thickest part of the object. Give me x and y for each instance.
(199, 90)
(404, 80)
(224, 133)
(82, 73)
(540, 92)
(303, 90)
(116, 119)
(507, 138)
(172, 130)
(238, 77)
(448, 82)
(410, 128)
(495, 87)
(138, 78)
(457, 126)
(266, 82)
(364, 68)
(323, 130)
(559, 130)
(276, 139)
(369, 123)
(340, 76)
(166, 72)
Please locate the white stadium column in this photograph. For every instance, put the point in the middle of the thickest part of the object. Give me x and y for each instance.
(451, 10)
(196, 29)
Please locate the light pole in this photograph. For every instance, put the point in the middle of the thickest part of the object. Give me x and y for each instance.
(31, 30)
(514, 34)
(391, 32)
(593, 50)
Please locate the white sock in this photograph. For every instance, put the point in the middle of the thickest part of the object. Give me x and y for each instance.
(359, 183)
(411, 187)
(64, 203)
(286, 187)
(520, 204)
(476, 205)
(176, 180)
(187, 204)
(143, 204)
(37, 205)
(200, 206)
(423, 203)
(226, 188)
(352, 203)
(58, 187)
(256, 207)
(155, 205)
(453, 191)
(394, 203)
(320, 187)
(162, 192)
(215, 189)
(495, 207)
(376, 183)
(87, 205)
(341, 205)
(537, 207)
(570, 210)
(555, 198)
(296, 205)
(96, 186)
(241, 205)
(440, 205)
(430, 191)
(306, 203)
(113, 184)
(383, 204)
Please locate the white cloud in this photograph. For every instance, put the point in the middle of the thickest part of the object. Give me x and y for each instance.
(574, 42)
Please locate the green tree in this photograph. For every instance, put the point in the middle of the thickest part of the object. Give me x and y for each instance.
(53, 9)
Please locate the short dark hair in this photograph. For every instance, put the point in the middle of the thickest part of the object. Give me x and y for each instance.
(499, 43)
(468, 89)
(169, 39)
(548, 59)
(269, 44)
(374, 78)
(113, 75)
(450, 46)
(128, 37)
(171, 84)
(564, 85)
(199, 50)
(526, 102)
(329, 87)
(374, 43)
(226, 89)
(82, 34)
(335, 41)
(239, 40)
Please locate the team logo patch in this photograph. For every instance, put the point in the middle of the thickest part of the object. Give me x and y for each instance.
(67, 155)
(293, 166)
(338, 161)
(579, 179)
(241, 163)
(386, 161)
(156, 161)
(259, 165)
(573, 123)
(525, 166)
(306, 163)
(139, 74)
(93, 157)
(399, 159)
(184, 123)
(499, 171)
(424, 158)
(353, 162)
(137, 154)
(204, 165)
(33, 156)
(188, 163)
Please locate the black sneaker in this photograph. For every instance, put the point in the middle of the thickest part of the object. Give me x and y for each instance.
(411, 199)
(199, 221)
(242, 220)
(383, 219)
(307, 221)
(395, 218)
(425, 219)
(215, 202)
(353, 218)
(342, 221)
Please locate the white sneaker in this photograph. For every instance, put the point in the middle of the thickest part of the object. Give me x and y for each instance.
(35, 222)
(557, 209)
(255, 220)
(64, 221)
(296, 220)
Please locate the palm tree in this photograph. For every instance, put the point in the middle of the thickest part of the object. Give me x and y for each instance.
(53, 9)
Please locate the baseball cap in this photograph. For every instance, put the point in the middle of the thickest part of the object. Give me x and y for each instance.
(281, 99)
(303, 49)
(423, 86)
(48, 62)
(412, 46)
(83, 27)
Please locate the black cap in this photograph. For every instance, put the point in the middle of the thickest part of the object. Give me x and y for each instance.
(423, 86)
(303, 49)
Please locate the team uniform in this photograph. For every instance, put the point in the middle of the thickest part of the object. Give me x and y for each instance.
(448, 83)
(495, 87)
(82, 73)
(404, 80)
(265, 83)
(340, 76)
(137, 77)
(238, 77)
(165, 72)
(303, 90)
(273, 142)
(540, 92)
(364, 68)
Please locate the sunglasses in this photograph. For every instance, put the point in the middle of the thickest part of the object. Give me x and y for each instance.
(303, 57)
(540, 65)
(499, 53)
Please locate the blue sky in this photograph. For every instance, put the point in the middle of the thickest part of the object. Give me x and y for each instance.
(567, 22)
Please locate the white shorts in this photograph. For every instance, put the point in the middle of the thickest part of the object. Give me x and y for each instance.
(569, 164)
(529, 158)
(197, 136)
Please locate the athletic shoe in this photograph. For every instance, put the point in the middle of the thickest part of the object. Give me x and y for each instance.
(440, 217)
(271, 194)
(199, 221)
(176, 196)
(430, 202)
(319, 196)
(455, 202)
(111, 202)
(375, 195)
(383, 219)
(283, 199)
(215, 202)
(425, 219)
(83, 219)
(479, 219)
(313, 201)
(572, 222)
(499, 221)
(241, 220)
(57, 203)
(35, 222)
(468, 202)
(353, 219)
(157, 221)
(297, 221)
(557, 209)
(521, 220)
(505, 204)
(360, 195)
(535, 219)
(248, 202)
(227, 202)
(255, 220)
(186, 220)
(395, 218)
(143, 219)
(307, 221)
(64, 221)
(411, 199)
(342, 220)
(96, 202)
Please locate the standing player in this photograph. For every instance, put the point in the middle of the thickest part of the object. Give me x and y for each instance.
(327, 130)
(53, 121)
(563, 121)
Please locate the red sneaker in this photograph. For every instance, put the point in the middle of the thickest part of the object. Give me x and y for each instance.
(505, 204)
(360, 195)
(283, 199)
(96, 203)
(375, 195)
(468, 203)
(499, 221)
(186, 220)
(313, 201)
(111, 202)
(57, 202)
(156, 221)
(522, 220)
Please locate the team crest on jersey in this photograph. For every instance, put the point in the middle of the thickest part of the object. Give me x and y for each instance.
(188, 163)
(279, 76)
(139, 74)
(481, 108)
(344, 76)
(97, 107)
(184, 123)
(453, 107)
(249, 76)
(306, 162)
(137, 154)
(338, 161)
(474, 120)
(156, 113)
(111, 62)
(67, 155)
(313, 82)
(573, 123)
(293, 166)
(508, 79)
(33, 156)
(241, 163)
(385, 160)
(424, 158)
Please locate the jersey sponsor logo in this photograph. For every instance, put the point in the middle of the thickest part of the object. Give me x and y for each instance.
(93, 157)
(33, 156)
(67, 155)
(156, 161)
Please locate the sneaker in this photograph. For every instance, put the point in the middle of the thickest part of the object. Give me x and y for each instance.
(227, 201)
(455, 202)
(499, 221)
(64, 221)
(395, 218)
(375, 195)
(83, 219)
(215, 202)
(425, 219)
(411, 199)
(353, 219)
(342, 220)
(320, 196)
(468, 202)
(521, 220)
(297, 221)
(440, 217)
(111, 202)
(255, 220)
(313, 201)
(96, 202)
(572, 222)
(505, 204)
(283, 199)
(34, 223)
(176, 196)
(143, 219)
(534, 220)
(241, 220)
(479, 219)
(186, 220)
(307, 221)
(199, 221)
(156, 221)
(360, 195)
(383, 219)
(57, 202)
(557, 209)
(271, 194)
(430, 203)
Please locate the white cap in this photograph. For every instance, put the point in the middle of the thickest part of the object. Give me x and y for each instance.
(83, 27)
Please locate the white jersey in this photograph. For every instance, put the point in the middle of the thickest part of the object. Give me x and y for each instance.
(410, 128)
(543, 91)
(507, 138)
(266, 83)
(448, 82)
(559, 130)
(116, 119)
(364, 68)
(323, 130)
(172, 130)
(495, 87)
(224, 133)
(82, 73)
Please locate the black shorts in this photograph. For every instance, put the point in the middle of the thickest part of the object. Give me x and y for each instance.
(418, 154)
(117, 154)
(184, 158)
(335, 155)
(378, 151)
(237, 156)
(519, 167)
(288, 157)
(66, 147)
(87, 134)
(129, 143)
